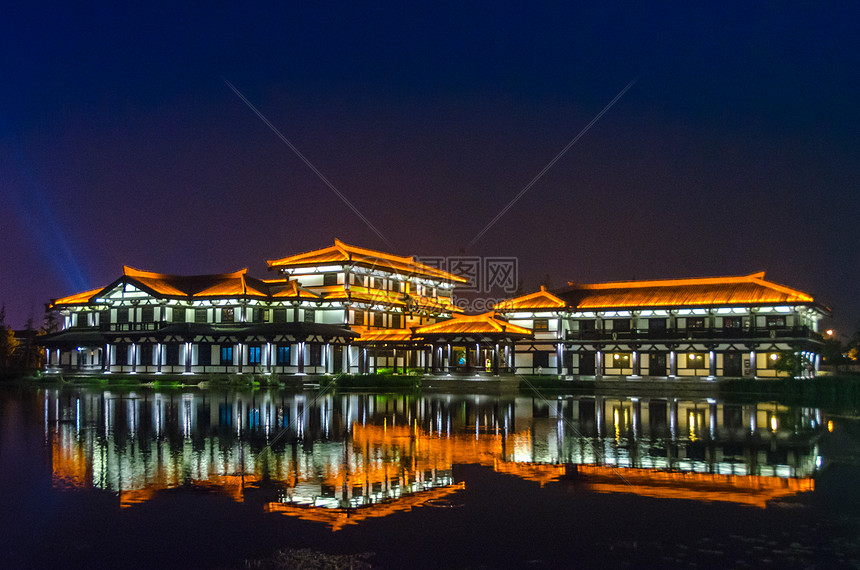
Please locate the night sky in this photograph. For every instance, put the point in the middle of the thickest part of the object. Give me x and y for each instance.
(736, 150)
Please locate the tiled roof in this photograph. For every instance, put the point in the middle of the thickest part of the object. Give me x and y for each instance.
(542, 299)
(236, 284)
(710, 291)
(742, 290)
(341, 253)
(473, 324)
(385, 335)
(77, 298)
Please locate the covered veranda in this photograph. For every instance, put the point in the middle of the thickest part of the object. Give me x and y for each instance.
(464, 344)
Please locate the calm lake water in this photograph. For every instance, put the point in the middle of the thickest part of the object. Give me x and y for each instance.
(204, 479)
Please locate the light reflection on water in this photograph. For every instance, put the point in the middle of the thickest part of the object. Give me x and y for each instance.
(341, 458)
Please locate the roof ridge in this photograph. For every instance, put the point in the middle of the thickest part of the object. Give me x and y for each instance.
(781, 288)
(752, 277)
(129, 271)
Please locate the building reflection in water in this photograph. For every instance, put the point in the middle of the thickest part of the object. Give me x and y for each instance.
(346, 457)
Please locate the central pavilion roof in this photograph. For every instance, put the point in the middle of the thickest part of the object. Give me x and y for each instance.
(487, 323)
(344, 254)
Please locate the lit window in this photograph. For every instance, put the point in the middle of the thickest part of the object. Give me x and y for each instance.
(620, 360)
(284, 354)
(228, 315)
(732, 322)
(695, 322)
(254, 354)
(772, 360)
(696, 360)
(226, 354)
(774, 321)
(541, 324)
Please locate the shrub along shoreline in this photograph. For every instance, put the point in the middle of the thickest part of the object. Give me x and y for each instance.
(842, 392)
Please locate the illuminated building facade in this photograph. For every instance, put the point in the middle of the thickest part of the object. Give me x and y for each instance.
(350, 309)
(680, 328)
(305, 321)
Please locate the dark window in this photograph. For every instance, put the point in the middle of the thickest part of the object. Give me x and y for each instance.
(732, 322)
(587, 325)
(695, 322)
(656, 324)
(378, 283)
(378, 319)
(259, 315)
(173, 354)
(357, 280)
(541, 359)
(621, 324)
(284, 354)
(309, 316)
(147, 314)
(83, 319)
(315, 354)
(541, 324)
(254, 353)
(395, 321)
(620, 360)
(657, 363)
(358, 319)
(204, 354)
(329, 279)
(226, 354)
(121, 352)
(146, 354)
(104, 317)
(200, 316)
(279, 316)
(774, 321)
(122, 315)
(178, 314)
(228, 315)
(395, 286)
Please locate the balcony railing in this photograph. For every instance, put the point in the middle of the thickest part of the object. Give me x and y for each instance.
(693, 334)
(132, 327)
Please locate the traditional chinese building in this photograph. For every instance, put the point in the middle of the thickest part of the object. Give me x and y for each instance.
(712, 327)
(305, 321)
(350, 309)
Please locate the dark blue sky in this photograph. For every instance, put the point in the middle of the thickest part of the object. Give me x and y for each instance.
(735, 151)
